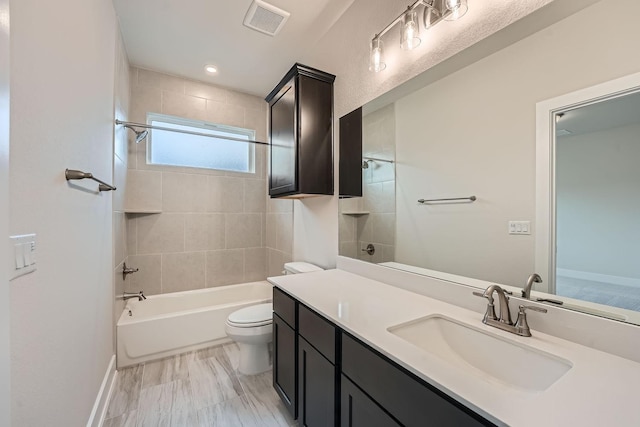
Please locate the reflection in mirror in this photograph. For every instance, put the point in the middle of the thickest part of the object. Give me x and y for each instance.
(597, 192)
(367, 223)
(473, 132)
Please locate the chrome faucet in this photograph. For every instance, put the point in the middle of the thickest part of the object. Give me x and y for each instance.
(534, 278)
(129, 295)
(505, 315)
(504, 321)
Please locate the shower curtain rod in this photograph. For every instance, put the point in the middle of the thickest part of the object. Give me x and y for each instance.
(144, 126)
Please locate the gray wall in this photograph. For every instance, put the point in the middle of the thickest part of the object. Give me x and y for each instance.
(61, 117)
(5, 412)
(598, 202)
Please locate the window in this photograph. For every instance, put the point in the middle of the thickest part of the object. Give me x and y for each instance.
(197, 151)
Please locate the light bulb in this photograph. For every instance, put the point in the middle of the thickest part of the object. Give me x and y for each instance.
(376, 62)
(410, 31)
(457, 8)
(211, 69)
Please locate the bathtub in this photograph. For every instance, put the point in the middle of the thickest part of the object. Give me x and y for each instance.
(169, 324)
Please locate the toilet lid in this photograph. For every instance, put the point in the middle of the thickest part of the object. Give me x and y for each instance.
(255, 314)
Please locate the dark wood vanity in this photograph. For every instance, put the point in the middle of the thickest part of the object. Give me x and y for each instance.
(327, 377)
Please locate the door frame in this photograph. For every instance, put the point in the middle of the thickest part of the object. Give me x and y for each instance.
(545, 230)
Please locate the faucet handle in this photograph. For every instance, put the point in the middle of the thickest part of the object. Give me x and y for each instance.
(522, 326)
(491, 310)
(531, 307)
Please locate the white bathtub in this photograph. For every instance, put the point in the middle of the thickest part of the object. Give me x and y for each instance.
(168, 324)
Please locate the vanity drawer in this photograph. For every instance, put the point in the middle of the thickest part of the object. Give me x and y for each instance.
(408, 399)
(285, 307)
(319, 332)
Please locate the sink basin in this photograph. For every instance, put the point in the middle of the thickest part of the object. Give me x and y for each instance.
(482, 354)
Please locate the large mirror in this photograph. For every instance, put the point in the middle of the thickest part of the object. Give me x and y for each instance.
(471, 136)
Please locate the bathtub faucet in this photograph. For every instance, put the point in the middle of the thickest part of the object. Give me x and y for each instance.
(129, 295)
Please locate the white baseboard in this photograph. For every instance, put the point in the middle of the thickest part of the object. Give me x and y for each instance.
(104, 395)
(596, 277)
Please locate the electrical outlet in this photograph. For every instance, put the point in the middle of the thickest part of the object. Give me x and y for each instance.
(519, 227)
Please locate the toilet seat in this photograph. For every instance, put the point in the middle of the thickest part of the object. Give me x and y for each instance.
(252, 316)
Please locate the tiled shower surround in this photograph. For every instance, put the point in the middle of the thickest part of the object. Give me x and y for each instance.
(213, 227)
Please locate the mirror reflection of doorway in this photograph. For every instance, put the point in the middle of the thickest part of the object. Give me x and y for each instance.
(597, 177)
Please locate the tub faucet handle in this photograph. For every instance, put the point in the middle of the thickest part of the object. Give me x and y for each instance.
(128, 270)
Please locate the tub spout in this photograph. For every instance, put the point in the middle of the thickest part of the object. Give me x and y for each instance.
(129, 295)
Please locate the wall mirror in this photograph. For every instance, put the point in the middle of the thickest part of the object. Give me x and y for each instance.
(471, 136)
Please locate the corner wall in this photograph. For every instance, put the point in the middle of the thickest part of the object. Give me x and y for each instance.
(5, 366)
(62, 92)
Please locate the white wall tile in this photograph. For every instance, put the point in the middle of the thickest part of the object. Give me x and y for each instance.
(225, 267)
(243, 230)
(148, 278)
(225, 194)
(144, 190)
(254, 192)
(201, 90)
(202, 209)
(161, 81)
(223, 113)
(255, 264)
(175, 104)
(160, 233)
(183, 193)
(183, 271)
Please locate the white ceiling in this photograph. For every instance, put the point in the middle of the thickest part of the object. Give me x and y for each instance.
(181, 36)
(615, 112)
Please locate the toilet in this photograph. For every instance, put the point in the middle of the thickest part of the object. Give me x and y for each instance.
(251, 328)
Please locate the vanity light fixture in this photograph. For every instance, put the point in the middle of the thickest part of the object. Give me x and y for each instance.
(433, 12)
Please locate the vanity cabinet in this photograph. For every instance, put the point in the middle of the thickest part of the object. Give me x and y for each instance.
(317, 398)
(301, 134)
(358, 410)
(285, 350)
(403, 396)
(341, 381)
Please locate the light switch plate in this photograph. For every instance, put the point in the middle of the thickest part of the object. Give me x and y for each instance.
(23, 255)
(519, 227)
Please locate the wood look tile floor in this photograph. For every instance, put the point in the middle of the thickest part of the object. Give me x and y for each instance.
(201, 388)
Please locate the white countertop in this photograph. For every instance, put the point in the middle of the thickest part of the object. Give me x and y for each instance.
(599, 390)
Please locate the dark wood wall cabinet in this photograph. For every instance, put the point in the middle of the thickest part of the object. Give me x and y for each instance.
(340, 381)
(350, 164)
(301, 134)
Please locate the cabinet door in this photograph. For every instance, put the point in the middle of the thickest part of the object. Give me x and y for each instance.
(357, 410)
(413, 402)
(283, 178)
(284, 364)
(317, 393)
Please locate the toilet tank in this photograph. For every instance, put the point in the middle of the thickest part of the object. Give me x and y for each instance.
(300, 267)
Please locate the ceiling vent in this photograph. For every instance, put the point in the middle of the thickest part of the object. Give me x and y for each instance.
(265, 18)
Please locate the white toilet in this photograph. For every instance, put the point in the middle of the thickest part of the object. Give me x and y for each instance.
(251, 328)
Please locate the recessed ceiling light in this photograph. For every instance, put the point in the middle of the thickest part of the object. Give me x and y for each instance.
(211, 69)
